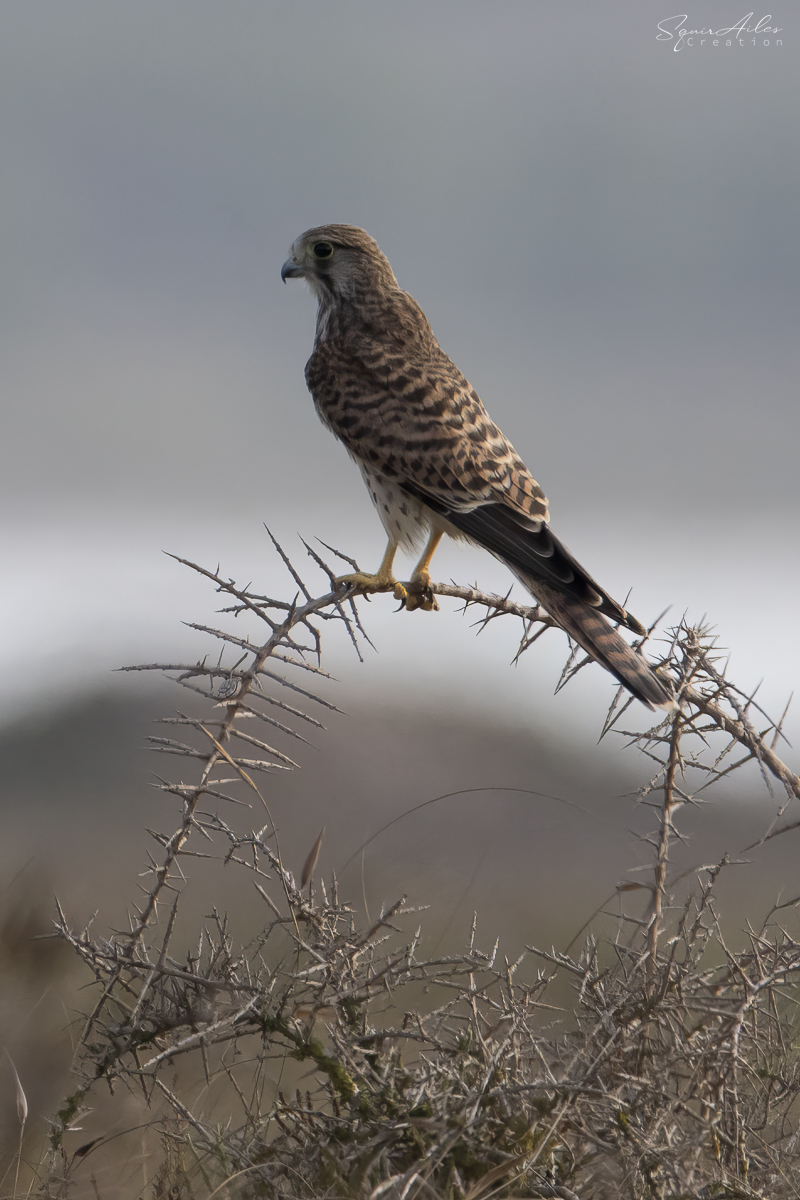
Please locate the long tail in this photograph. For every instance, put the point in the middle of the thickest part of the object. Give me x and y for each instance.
(549, 572)
(601, 640)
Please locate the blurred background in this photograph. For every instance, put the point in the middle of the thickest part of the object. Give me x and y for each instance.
(602, 232)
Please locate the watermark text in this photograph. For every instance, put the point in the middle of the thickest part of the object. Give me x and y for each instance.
(674, 29)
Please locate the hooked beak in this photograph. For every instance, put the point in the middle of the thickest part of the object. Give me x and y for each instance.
(291, 270)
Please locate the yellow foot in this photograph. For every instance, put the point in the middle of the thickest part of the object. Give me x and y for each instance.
(417, 593)
(360, 581)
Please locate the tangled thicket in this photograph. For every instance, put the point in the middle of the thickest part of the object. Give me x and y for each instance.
(343, 1063)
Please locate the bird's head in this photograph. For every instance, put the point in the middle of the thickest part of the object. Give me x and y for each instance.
(340, 262)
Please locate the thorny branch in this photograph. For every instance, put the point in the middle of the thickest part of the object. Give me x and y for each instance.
(672, 1076)
(702, 690)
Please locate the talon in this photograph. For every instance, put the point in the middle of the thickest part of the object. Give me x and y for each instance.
(417, 593)
(360, 581)
(427, 601)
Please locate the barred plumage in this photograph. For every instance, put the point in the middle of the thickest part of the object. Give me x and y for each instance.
(432, 458)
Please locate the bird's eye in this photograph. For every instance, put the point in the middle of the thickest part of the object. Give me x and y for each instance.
(323, 250)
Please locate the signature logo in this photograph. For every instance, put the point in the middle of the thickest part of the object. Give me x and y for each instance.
(672, 29)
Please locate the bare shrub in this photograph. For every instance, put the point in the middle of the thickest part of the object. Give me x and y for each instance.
(338, 1061)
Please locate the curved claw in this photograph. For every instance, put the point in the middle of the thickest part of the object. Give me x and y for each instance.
(417, 593)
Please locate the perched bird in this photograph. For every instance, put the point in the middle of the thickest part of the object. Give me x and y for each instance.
(433, 460)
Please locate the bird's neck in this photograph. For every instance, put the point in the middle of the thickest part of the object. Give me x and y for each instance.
(328, 320)
(338, 316)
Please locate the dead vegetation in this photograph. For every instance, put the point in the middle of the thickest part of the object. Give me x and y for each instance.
(340, 1061)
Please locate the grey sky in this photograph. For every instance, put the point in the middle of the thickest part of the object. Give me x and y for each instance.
(601, 230)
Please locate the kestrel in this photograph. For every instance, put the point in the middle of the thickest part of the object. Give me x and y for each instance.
(433, 460)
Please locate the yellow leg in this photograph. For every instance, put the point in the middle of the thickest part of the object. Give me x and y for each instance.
(417, 592)
(382, 581)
